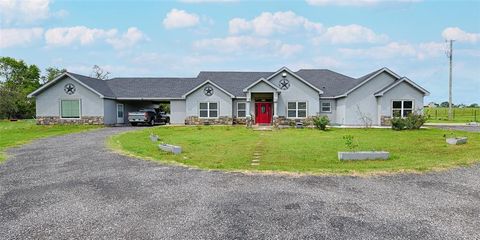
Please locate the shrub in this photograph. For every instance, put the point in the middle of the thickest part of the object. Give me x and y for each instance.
(321, 122)
(415, 121)
(398, 123)
(411, 122)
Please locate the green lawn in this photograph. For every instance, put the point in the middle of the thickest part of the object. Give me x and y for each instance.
(20, 132)
(460, 115)
(301, 150)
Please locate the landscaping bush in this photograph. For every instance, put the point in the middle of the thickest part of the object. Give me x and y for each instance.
(415, 121)
(321, 122)
(398, 123)
(411, 122)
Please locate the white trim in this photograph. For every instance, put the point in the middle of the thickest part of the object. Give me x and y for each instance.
(148, 98)
(245, 110)
(321, 107)
(207, 82)
(262, 80)
(296, 76)
(34, 93)
(403, 79)
(208, 110)
(71, 99)
(401, 108)
(296, 109)
(372, 77)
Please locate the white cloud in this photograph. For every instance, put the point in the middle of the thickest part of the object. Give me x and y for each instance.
(26, 11)
(351, 34)
(268, 23)
(457, 34)
(430, 49)
(232, 43)
(84, 36)
(180, 19)
(287, 50)
(80, 34)
(128, 39)
(11, 37)
(393, 49)
(357, 3)
(248, 44)
(208, 1)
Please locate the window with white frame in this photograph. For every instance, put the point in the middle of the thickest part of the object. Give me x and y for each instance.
(326, 107)
(208, 109)
(401, 108)
(297, 109)
(241, 109)
(70, 108)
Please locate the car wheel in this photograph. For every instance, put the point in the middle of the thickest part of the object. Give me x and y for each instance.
(133, 124)
(152, 122)
(167, 121)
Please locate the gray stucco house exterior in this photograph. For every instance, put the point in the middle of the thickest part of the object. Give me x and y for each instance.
(271, 98)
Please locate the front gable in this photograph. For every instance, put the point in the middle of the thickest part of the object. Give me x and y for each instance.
(261, 85)
(61, 77)
(208, 92)
(290, 77)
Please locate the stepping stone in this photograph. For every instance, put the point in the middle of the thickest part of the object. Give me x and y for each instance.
(255, 164)
(255, 160)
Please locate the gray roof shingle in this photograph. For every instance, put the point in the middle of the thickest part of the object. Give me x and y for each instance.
(100, 86)
(330, 82)
(233, 82)
(151, 87)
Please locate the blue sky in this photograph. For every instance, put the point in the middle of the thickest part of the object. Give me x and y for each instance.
(181, 38)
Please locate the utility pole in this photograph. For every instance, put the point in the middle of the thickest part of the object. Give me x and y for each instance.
(449, 55)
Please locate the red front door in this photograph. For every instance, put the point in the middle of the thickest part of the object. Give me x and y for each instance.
(263, 112)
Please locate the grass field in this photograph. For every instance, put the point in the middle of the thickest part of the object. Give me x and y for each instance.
(301, 150)
(460, 115)
(20, 132)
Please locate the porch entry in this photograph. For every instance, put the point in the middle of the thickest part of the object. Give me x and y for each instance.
(263, 112)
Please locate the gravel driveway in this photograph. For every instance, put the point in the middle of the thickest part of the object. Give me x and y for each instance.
(72, 187)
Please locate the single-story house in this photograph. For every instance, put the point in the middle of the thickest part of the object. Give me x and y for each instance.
(220, 97)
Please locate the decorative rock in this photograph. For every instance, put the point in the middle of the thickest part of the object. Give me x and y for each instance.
(54, 120)
(365, 155)
(456, 141)
(154, 138)
(222, 120)
(170, 148)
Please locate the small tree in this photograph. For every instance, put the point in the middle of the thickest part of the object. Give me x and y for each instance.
(366, 119)
(321, 122)
(349, 142)
(52, 73)
(100, 73)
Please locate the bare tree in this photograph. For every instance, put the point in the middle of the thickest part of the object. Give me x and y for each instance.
(100, 73)
(366, 119)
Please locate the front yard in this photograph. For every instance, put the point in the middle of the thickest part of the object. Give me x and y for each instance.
(17, 133)
(300, 150)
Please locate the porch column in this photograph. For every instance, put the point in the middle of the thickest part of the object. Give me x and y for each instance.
(275, 100)
(247, 107)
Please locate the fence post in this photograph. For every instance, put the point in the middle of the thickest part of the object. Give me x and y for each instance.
(475, 115)
(436, 110)
(453, 114)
